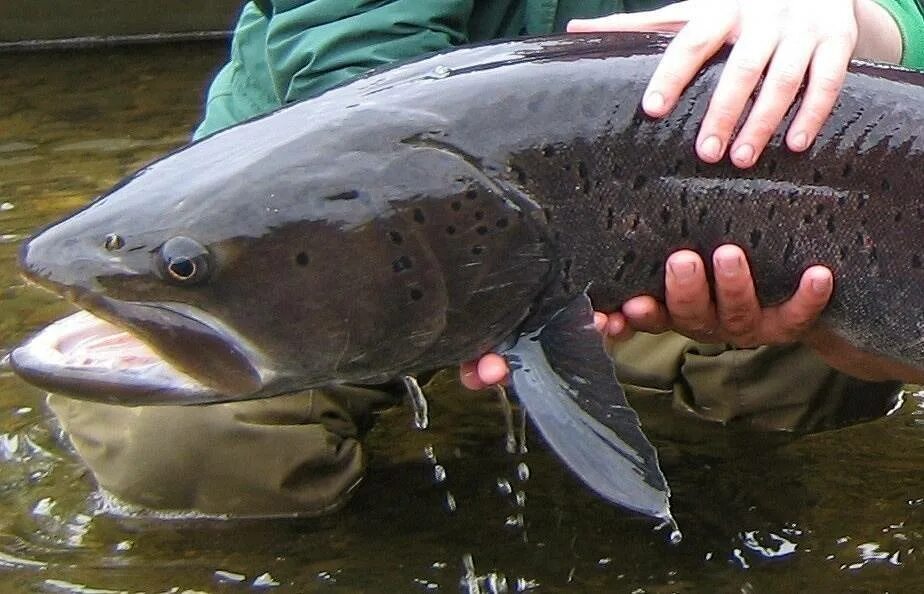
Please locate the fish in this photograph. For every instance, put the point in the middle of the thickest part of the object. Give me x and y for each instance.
(476, 200)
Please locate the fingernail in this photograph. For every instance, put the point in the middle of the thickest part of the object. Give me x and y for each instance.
(821, 285)
(682, 270)
(711, 148)
(730, 265)
(743, 155)
(799, 141)
(653, 103)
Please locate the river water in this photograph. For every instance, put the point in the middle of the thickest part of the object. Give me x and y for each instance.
(445, 509)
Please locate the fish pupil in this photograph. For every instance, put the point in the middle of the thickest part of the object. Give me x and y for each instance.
(182, 268)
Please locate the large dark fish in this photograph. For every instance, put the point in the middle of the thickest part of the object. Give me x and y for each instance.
(475, 200)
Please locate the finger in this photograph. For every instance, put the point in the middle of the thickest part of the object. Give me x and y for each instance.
(645, 314)
(685, 55)
(468, 375)
(492, 369)
(687, 295)
(667, 19)
(740, 75)
(618, 328)
(777, 92)
(789, 321)
(739, 311)
(826, 77)
(600, 321)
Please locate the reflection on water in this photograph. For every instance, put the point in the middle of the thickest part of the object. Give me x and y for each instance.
(459, 506)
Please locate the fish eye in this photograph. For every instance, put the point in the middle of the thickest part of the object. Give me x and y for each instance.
(184, 261)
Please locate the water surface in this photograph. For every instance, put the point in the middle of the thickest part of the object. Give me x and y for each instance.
(838, 511)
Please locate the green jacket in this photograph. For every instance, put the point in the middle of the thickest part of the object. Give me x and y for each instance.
(286, 50)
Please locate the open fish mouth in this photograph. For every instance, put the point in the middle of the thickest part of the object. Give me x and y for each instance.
(90, 358)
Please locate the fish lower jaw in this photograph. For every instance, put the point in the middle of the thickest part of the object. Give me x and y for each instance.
(87, 357)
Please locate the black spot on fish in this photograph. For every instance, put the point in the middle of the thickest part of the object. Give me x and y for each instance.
(416, 294)
(819, 208)
(915, 261)
(683, 197)
(419, 216)
(301, 259)
(787, 251)
(477, 249)
(842, 252)
(701, 215)
(585, 181)
(771, 212)
(830, 224)
(481, 230)
(471, 193)
(684, 228)
(518, 174)
(807, 219)
(755, 237)
(620, 270)
(862, 200)
(816, 176)
(547, 150)
(886, 186)
(665, 215)
(847, 170)
(349, 195)
(898, 216)
(502, 222)
(401, 264)
(629, 257)
(456, 205)
(639, 182)
(771, 166)
(450, 230)
(395, 237)
(610, 218)
(479, 214)
(728, 225)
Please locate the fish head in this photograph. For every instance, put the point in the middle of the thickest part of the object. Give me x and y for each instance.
(203, 280)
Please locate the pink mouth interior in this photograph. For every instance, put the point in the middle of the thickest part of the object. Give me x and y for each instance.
(83, 340)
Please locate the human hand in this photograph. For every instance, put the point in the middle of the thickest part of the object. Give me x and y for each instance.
(782, 41)
(734, 317)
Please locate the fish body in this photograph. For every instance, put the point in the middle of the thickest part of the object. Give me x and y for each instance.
(472, 201)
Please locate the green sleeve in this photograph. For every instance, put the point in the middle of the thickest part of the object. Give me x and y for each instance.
(312, 46)
(909, 15)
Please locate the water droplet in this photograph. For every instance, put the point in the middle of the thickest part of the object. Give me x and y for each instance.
(521, 499)
(450, 502)
(125, 545)
(523, 472)
(439, 473)
(503, 487)
(514, 521)
(265, 580)
(418, 402)
(429, 454)
(229, 576)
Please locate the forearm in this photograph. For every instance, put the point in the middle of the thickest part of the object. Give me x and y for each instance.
(891, 31)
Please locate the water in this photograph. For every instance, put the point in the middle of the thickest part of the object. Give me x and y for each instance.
(837, 511)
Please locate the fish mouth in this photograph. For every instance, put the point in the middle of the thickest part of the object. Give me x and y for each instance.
(131, 354)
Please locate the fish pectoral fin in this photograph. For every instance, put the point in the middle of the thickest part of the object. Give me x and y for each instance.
(565, 379)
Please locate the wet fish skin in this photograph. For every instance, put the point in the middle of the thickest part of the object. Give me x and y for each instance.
(428, 213)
